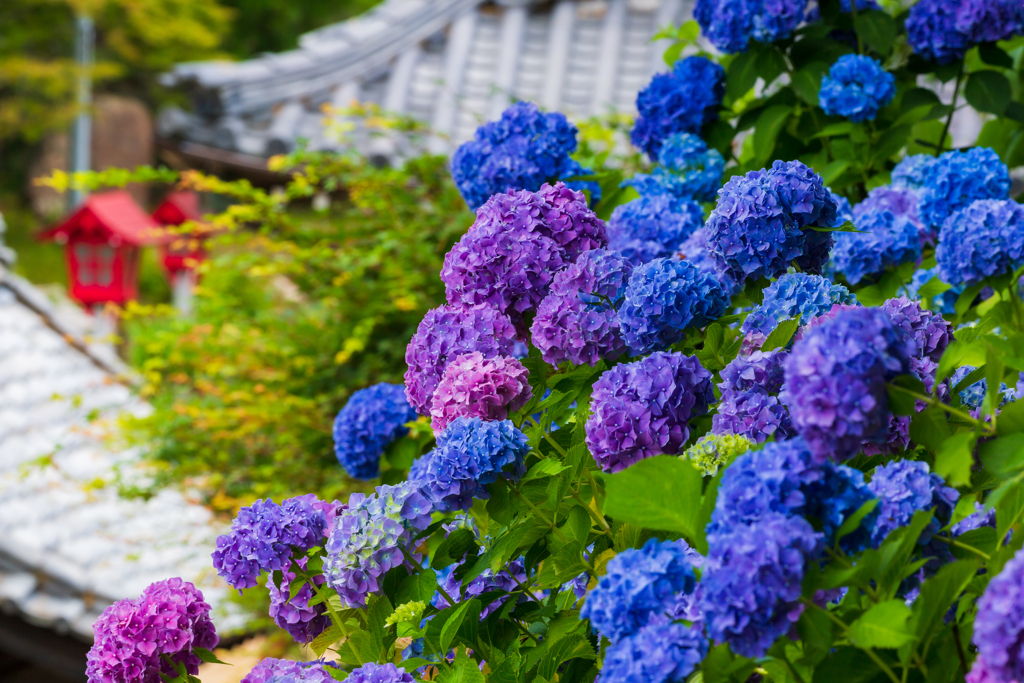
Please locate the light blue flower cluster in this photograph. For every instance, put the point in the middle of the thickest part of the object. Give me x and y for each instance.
(885, 240)
(764, 221)
(471, 454)
(899, 201)
(730, 25)
(983, 240)
(856, 88)
(521, 151)
(687, 169)
(371, 537)
(792, 295)
(956, 179)
(680, 101)
(663, 299)
(372, 419)
(652, 226)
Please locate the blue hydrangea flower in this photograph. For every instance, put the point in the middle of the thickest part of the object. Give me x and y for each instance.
(749, 407)
(976, 520)
(578, 321)
(379, 673)
(943, 30)
(956, 179)
(762, 221)
(371, 537)
(912, 172)
(751, 582)
(945, 303)
(665, 297)
(263, 535)
(641, 409)
(832, 499)
(652, 226)
(372, 419)
(731, 24)
(980, 241)
(637, 585)
(688, 169)
(272, 670)
(836, 376)
(903, 488)
(506, 580)
(680, 101)
(523, 150)
(973, 395)
(795, 294)
(695, 250)
(999, 624)
(471, 454)
(899, 201)
(885, 240)
(855, 88)
(660, 652)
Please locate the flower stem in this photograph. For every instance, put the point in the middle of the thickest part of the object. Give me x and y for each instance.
(949, 119)
(537, 511)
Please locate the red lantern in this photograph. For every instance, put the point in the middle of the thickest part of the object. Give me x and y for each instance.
(181, 252)
(102, 239)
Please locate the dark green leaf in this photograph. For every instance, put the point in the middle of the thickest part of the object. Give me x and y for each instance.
(452, 624)
(780, 336)
(917, 97)
(851, 523)
(884, 625)
(742, 75)
(930, 428)
(954, 459)
(849, 665)
(766, 132)
(453, 548)
(932, 289)
(815, 629)
(377, 613)
(807, 82)
(982, 539)
(570, 647)
(1003, 456)
(662, 493)
(834, 170)
(414, 663)
(325, 640)
(993, 55)
(1009, 509)
(207, 656)
(877, 29)
(834, 129)
(891, 142)
(463, 670)
(988, 91)
(418, 587)
(938, 593)
(544, 468)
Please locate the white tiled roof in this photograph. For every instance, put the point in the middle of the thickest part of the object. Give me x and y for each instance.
(69, 546)
(451, 63)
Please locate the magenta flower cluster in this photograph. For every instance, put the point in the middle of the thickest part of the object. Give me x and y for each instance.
(474, 386)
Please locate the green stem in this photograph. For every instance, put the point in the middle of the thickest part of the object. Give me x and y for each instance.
(932, 401)
(957, 544)
(949, 119)
(336, 618)
(868, 590)
(593, 488)
(959, 647)
(605, 529)
(538, 512)
(867, 650)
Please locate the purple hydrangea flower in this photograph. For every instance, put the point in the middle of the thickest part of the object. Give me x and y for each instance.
(445, 333)
(855, 88)
(749, 407)
(695, 250)
(976, 520)
(885, 240)
(523, 150)
(368, 539)
(795, 294)
(931, 332)
(372, 419)
(680, 101)
(956, 179)
(263, 536)
(999, 624)
(660, 652)
(943, 30)
(663, 299)
(132, 637)
(471, 454)
(731, 24)
(379, 673)
(641, 409)
(272, 670)
(752, 578)
(981, 673)
(638, 584)
(474, 386)
(688, 169)
(899, 202)
(836, 377)
(506, 580)
(652, 226)
(762, 221)
(577, 321)
(290, 608)
(980, 241)
(519, 240)
(903, 488)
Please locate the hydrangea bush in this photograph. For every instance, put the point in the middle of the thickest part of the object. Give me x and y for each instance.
(777, 439)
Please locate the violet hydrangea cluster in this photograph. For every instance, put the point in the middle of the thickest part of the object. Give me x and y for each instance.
(264, 535)
(792, 295)
(982, 240)
(943, 30)
(271, 670)
(133, 639)
(641, 409)
(663, 299)
(652, 226)
(372, 419)
(578, 320)
(509, 256)
(372, 672)
(764, 221)
(680, 101)
(371, 537)
(855, 88)
(730, 25)
(506, 580)
(471, 454)
(835, 381)
(749, 406)
(474, 386)
(899, 201)
(523, 150)
(884, 240)
(445, 333)
(999, 624)
(905, 487)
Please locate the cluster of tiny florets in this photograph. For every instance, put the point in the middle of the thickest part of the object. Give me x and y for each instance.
(372, 419)
(680, 101)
